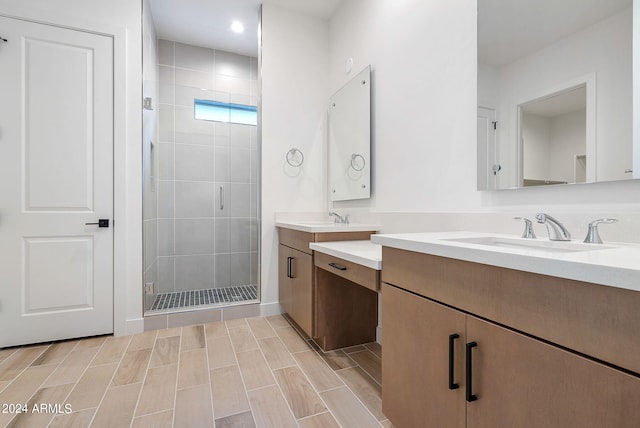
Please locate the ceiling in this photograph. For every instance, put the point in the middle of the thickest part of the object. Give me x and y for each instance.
(207, 22)
(558, 104)
(508, 30)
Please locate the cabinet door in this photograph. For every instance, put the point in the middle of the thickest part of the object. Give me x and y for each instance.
(415, 361)
(284, 282)
(302, 290)
(522, 382)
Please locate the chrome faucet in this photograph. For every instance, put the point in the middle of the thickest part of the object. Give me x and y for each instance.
(528, 228)
(338, 218)
(557, 232)
(593, 237)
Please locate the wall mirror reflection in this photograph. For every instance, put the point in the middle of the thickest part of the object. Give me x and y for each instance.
(553, 133)
(543, 68)
(350, 139)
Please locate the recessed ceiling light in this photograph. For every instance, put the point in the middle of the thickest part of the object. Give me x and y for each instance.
(237, 27)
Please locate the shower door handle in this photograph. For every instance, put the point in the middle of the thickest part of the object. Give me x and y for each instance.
(221, 198)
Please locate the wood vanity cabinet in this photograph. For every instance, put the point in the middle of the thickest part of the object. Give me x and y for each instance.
(504, 377)
(415, 361)
(295, 272)
(345, 302)
(296, 281)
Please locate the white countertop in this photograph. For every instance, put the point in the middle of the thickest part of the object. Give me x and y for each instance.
(616, 264)
(364, 253)
(326, 226)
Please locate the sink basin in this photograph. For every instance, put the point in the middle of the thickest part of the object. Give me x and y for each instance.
(531, 244)
(321, 226)
(318, 223)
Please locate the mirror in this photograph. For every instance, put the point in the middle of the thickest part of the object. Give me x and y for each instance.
(553, 134)
(350, 139)
(554, 92)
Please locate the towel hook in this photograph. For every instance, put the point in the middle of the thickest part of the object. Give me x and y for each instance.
(295, 158)
(358, 166)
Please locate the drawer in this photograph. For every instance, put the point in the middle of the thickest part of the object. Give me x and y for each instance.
(295, 239)
(361, 275)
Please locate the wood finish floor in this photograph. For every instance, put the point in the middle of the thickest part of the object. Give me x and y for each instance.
(250, 372)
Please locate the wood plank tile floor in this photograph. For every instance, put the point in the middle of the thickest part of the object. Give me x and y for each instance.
(250, 372)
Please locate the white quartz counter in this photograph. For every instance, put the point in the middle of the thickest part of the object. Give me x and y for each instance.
(327, 226)
(364, 253)
(612, 264)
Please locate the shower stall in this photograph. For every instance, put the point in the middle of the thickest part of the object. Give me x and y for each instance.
(201, 182)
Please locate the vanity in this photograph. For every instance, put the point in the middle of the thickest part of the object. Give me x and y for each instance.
(329, 276)
(497, 331)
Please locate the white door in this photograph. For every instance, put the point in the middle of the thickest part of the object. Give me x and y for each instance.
(56, 175)
(488, 167)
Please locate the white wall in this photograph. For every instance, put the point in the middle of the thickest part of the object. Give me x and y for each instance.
(295, 61)
(536, 146)
(567, 139)
(423, 56)
(423, 94)
(122, 19)
(550, 145)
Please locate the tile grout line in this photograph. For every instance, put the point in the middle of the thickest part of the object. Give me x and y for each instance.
(44, 380)
(206, 354)
(277, 384)
(30, 365)
(175, 392)
(9, 356)
(367, 373)
(341, 380)
(21, 371)
(363, 369)
(318, 393)
(83, 373)
(144, 379)
(270, 370)
(244, 384)
(104, 394)
(79, 378)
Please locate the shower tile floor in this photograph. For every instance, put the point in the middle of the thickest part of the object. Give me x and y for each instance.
(248, 372)
(211, 296)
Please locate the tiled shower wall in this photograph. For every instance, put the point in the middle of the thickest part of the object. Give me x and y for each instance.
(207, 238)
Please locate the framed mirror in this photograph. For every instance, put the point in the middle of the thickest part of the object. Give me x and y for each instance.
(350, 139)
(554, 92)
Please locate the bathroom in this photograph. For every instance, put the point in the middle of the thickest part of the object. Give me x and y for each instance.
(438, 91)
(424, 150)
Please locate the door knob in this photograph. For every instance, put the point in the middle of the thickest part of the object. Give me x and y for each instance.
(103, 222)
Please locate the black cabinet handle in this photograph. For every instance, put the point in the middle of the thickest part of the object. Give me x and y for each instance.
(469, 362)
(452, 337)
(289, 267)
(337, 266)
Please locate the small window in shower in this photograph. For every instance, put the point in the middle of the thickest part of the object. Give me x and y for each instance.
(226, 112)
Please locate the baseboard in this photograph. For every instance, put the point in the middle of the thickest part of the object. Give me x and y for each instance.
(268, 309)
(207, 315)
(132, 326)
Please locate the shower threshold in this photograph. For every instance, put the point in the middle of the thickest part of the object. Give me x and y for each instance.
(197, 299)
